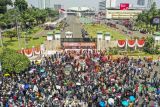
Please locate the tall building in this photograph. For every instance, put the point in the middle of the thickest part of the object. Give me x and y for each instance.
(111, 3)
(141, 2)
(48, 4)
(149, 4)
(43, 4)
(57, 6)
(134, 4)
(102, 5)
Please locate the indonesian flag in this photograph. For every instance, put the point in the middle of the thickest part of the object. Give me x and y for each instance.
(61, 10)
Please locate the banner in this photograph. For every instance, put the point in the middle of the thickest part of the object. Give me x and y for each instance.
(121, 43)
(28, 52)
(37, 50)
(66, 44)
(61, 10)
(140, 43)
(124, 6)
(131, 43)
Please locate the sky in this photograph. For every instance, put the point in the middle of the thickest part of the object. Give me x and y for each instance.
(73, 3)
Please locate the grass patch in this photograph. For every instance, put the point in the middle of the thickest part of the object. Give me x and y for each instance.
(14, 44)
(93, 29)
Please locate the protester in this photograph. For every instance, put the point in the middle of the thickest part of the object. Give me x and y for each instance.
(84, 79)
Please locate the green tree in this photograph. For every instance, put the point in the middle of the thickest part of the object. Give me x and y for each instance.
(10, 34)
(149, 45)
(13, 61)
(27, 18)
(22, 5)
(3, 5)
(144, 20)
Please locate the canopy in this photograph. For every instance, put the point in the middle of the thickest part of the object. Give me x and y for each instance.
(79, 9)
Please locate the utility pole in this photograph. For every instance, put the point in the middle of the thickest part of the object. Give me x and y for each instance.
(17, 29)
(1, 38)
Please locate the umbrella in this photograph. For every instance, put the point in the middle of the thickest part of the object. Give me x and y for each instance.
(58, 87)
(6, 75)
(44, 75)
(42, 70)
(104, 59)
(78, 83)
(26, 86)
(132, 98)
(31, 71)
(110, 101)
(82, 63)
(102, 104)
(158, 91)
(125, 103)
(151, 89)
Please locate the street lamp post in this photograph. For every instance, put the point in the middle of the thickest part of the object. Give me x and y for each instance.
(1, 38)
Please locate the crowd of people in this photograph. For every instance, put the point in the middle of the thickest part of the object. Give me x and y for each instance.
(84, 79)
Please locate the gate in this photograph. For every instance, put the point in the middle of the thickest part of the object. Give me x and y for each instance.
(78, 43)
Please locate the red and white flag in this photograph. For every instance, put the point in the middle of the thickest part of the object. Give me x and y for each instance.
(61, 10)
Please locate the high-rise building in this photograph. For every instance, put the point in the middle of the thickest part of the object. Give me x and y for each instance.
(149, 4)
(102, 5)
(57, 6)
(111, 3)
(47, 3)
(43, 4)
(141, 2)
(134, 4)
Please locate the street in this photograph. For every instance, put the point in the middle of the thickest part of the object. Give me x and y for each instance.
(74, 26)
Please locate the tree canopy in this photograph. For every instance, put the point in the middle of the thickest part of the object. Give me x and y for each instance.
(3, 5)
(144, 20)
(29, 18)
(13, 62)
(22, 5)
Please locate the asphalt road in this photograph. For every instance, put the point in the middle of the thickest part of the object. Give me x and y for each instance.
(74, 26)
(134, 33)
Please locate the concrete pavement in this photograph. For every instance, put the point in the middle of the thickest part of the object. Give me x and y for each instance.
(74, 26)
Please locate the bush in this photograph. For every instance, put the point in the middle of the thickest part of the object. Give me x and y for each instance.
(34, 38)
(13, 61)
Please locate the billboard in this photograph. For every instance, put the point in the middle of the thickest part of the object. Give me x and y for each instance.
(124, 6)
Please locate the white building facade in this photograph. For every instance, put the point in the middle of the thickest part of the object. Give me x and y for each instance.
(134, 4)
